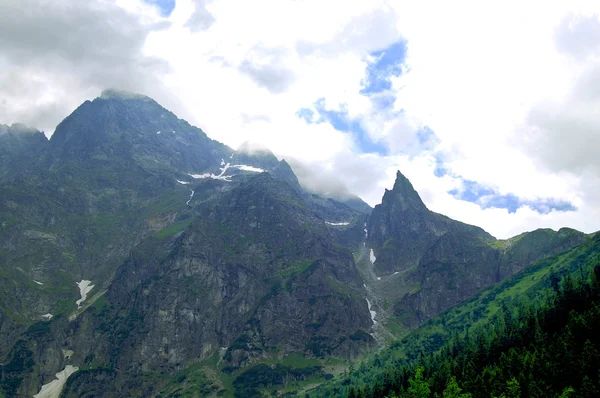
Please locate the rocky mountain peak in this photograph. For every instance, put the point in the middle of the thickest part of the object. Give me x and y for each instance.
(127, 128)
(112, 93)
(18, 128)
(403, 194)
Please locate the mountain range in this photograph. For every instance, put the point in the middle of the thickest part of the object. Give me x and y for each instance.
(139, 257)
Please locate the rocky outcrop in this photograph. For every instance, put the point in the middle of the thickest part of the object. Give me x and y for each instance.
(443, 261)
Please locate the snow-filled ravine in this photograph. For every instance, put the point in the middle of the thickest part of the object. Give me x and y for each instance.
(190, 199)
(183, 182)
(84, 288)
(372, 257)
(372, 312)
(245, 167)
(221, 176)
(337, 223)
(55, 387)
(47, 316)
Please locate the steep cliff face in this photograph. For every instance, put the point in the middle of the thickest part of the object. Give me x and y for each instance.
(438, 262)
(20, 146)
(255, 275)
(401, 229)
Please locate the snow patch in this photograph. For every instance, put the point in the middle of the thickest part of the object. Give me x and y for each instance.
(378, 278)
(396, 272)
(198, 176)
(221, 176)
(190, 199)
(245, 167)
(372, 257)
(55, 387)
(39, 283)
(158, 132)
(366, 231)
(47, 316)
(372, 312)
(337, 223)
(364, 285)
(222, 162)
(84, 288)
(183, 182)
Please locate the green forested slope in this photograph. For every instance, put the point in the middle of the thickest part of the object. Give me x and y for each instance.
(533, 335)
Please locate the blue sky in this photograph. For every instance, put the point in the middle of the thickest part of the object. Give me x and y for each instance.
(385, 64)
(487, 198)
(388, 63)
(165, 6)
(341, 121)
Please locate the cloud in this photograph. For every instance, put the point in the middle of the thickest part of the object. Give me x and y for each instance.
(343, 122)
(265, 67)
(54, 55)
(318, 180)
(369, 31)
(578, 35)
(201, 18)
(563, 134)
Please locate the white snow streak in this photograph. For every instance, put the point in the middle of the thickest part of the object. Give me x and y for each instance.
(158, 132)
(55, 387)
(221, 176)
(372, 257)
(396, 272)
(39, 283)
(198, 176)
(190, 199)
(372, 312)
(84, 288)
(337, 223)
(183, 182)
(366, 231)
(222, 162)
(245, 167)
(47, 316)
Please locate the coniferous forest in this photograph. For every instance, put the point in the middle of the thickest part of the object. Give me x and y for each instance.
(548, 348)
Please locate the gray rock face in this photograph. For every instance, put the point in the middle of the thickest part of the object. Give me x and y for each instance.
(444, 261)
(401, 229)
(19, 147)
(256, 273)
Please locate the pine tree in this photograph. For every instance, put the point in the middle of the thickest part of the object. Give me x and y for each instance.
(454, 391)
(418, 386)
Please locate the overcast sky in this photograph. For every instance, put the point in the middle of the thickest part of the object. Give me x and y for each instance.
(491, 109)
